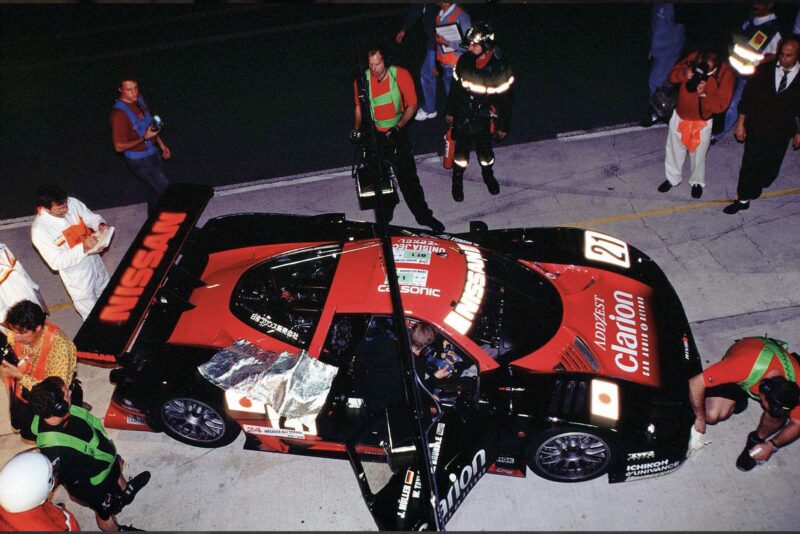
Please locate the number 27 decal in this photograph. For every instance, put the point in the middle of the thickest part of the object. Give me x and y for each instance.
(606, 249)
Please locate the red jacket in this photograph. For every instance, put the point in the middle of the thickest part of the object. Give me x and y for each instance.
(47, 517)
(718, 91)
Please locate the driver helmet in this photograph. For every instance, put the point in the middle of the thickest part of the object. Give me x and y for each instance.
(26, 481)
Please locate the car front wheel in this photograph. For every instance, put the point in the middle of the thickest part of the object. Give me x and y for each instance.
(196, 422)
(569, 455)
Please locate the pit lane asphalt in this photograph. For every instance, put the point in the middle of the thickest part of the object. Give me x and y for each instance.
(736, 275)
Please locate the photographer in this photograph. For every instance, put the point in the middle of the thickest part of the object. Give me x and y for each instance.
(136, 134)
(38, 349)
(392, 103)
(706, 88)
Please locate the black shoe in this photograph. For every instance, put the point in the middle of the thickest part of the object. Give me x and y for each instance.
(433, 223)
(745, 462)
(735, 207)
(122, 528)
(490, 180)
(134, 485)
(697, 191)
(664, 187)
(458, 189)
(714, 140)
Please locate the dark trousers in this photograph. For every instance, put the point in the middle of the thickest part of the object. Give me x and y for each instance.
(150, 172)
(761, 164)
(401, 155)
(475, 134)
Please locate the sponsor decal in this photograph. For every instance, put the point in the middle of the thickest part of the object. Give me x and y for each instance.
(685, 341)
(276, 432)
(600, 322)
(606, 249)
(146, 259)
(413, 282)
(437, 445)
(505, 460)
(632, 340)
(461, 318)
(644, 455)
(651, 469)
(461, 483)
(267, 321)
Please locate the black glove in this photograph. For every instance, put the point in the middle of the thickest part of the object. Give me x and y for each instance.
(392, 133)
(355, 137)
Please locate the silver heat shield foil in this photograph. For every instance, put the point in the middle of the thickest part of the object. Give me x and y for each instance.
(295, 385)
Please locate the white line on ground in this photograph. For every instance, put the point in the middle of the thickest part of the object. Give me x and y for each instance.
(603, 131)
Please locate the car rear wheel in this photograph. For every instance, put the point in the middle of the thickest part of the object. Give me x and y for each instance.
(200, 423)
(569, 455)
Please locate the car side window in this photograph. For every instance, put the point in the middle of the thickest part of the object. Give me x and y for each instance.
(283, 297)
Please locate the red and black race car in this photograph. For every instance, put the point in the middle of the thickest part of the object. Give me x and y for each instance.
(569, 350)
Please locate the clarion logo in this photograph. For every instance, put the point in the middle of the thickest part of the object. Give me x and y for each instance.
(461, 484)
(136, 277)
(632, 344)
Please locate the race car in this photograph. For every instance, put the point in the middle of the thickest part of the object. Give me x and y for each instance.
(567, 350)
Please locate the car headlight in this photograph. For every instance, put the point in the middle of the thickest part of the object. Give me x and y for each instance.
(605, 399)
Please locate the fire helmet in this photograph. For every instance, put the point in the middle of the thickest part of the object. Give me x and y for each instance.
(480, 33)
(25, 481)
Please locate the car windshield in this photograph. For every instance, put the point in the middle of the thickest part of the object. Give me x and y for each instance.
(283, 297)
(520, 312)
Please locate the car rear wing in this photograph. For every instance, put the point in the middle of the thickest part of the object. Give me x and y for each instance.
(121, 309)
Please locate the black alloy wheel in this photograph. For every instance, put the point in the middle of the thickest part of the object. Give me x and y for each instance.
(569, 455)
(196, 422)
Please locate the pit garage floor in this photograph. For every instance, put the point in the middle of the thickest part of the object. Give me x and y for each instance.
(738, 275)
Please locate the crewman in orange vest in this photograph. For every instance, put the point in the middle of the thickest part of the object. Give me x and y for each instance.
(40, 349)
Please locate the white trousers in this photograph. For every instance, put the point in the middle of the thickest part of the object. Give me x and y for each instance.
(676, 154)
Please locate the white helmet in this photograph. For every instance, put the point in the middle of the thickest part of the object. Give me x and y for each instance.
(25, 481)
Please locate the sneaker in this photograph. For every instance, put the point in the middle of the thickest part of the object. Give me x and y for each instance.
(649, 120)
(134, 485)
(735, 207)
(664, 187)
(423, 115)
(697, 191)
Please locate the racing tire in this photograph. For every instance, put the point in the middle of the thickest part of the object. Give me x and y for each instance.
(200, 423)
(569, 454)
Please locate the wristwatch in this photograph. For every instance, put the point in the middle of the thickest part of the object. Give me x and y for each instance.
(774, 445)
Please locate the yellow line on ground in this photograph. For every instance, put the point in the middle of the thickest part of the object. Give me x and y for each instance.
(61, 307)
(588, 223)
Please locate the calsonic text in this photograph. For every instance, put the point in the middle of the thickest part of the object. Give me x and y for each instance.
(461, 318)
(145, 260)
(461, 484)
(413, 290)
(631, 341)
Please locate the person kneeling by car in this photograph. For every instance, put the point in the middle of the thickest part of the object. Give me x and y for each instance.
(91, 469)
(763, 369)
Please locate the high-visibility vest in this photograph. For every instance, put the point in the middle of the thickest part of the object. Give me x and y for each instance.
(388, 104)
(449, 58)
(140, 126)
(773, 348)
(54, 438)
(37, 365)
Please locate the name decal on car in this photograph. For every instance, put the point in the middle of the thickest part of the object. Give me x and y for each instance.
(632, 341)
(131, 285)
(461, 318)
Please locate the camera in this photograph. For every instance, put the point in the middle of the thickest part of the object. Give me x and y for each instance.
(701, 72)
(157, 123)
(7, 354)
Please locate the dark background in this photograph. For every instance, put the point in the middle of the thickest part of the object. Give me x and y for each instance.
(250, 92)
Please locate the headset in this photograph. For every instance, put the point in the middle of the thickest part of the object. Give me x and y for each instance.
(781, 395)
(59, 405)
